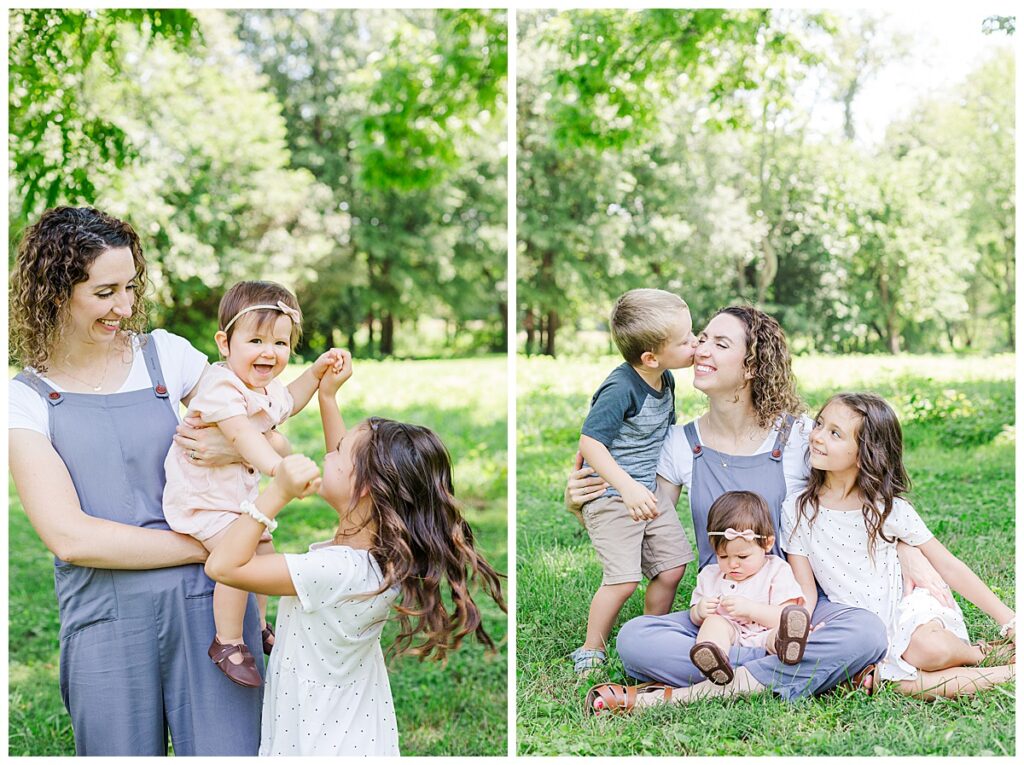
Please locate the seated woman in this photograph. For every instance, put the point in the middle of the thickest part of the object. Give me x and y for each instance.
(750, 439)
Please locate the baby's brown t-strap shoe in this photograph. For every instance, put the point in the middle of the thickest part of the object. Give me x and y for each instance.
(244, 673)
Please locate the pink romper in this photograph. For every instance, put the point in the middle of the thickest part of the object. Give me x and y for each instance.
(203, 501)
(773, 585)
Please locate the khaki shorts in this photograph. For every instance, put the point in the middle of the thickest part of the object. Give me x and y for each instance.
(630, 550)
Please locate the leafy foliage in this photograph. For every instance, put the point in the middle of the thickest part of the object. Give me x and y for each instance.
(679, 149)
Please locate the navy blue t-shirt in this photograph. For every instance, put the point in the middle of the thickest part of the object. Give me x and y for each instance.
(632, 419)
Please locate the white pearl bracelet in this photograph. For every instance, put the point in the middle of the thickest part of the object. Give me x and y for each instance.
(1010, 625)
(253, 512)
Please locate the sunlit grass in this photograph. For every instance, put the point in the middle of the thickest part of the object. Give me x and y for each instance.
(957, 414)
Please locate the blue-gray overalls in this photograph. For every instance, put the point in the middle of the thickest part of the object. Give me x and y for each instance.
(658, 647)
(133, 644)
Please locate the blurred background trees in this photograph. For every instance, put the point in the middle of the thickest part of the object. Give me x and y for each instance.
(685, 149)
(356, 156)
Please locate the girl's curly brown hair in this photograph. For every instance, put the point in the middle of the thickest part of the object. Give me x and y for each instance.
(54, 255)
(772, 384)
(422, 537)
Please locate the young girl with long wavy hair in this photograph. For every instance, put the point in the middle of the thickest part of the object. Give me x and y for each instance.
(844, 528)
(400, 533)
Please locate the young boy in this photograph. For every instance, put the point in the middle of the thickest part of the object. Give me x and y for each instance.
(622, 436)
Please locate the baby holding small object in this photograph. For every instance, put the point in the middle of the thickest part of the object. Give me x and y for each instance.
(259, 324)
(748, 597)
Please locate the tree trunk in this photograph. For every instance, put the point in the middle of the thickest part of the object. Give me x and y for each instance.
(530, 325)
(503, 316)
(549, 345)
(892, 334)
(369, 337)
(387, 335)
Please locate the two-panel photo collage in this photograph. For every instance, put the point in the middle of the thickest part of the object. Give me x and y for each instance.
(516, 382)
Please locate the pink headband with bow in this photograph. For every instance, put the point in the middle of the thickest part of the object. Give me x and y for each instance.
(284, 308)
(731, 534)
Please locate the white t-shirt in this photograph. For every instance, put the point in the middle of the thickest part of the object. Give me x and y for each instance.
(836, 545)
(327, 685)
(676, 462)
(181, 364)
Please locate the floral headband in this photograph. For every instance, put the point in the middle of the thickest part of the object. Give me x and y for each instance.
(287, 310)
(731, 534)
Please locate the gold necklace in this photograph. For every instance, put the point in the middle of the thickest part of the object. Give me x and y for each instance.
(722, 455)
(96, 387)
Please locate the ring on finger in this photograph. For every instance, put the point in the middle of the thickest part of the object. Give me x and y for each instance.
(193, 456)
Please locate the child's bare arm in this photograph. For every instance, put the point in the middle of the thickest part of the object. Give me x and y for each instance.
(278, 442)
(805, 578)
(639, 499)
(961, 578)
(330, 415)
(234, 562)
(305, 385)
(250, 443)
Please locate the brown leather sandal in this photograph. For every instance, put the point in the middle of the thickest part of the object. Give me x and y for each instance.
(243, 674)
(267, 633)
(867, 680)
(612, 697)
(791, 637)
(712, 663)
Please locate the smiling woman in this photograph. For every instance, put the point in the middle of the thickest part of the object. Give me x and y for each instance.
(91, 418)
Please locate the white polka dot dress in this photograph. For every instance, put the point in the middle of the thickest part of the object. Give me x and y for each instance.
(836, 545)
(327, 686)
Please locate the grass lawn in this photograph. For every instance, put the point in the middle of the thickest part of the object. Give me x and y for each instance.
(465, 402)
(958, 425)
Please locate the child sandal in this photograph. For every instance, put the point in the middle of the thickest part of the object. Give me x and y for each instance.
(242, 674)
(791, 637)
(712, 663)
(267, 634)
(585, 659)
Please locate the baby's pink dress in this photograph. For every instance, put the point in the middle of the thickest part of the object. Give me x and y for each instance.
(202, 501)
(773, 585)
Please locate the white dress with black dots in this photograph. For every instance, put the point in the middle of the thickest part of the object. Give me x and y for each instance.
(836, 545)
(327, 686)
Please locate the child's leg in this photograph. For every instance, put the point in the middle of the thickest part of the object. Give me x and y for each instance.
(932, 647)
(955, 681)
(264, 548)
(604, 607)
(228, 607)
(661, 591)
(228, 614)
(717, 629)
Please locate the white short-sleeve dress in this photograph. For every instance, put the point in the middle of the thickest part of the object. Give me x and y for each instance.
(327, 685)
(836, 545)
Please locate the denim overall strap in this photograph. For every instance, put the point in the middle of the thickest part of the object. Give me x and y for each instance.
(715, 473)
(133, 661)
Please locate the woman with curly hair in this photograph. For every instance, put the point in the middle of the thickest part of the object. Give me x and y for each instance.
(91, 417)
(752, 438)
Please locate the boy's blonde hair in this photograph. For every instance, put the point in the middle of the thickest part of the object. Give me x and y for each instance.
(642, 321)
